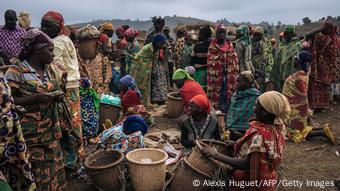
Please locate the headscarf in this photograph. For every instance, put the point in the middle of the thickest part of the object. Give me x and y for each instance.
(289, 29)
(55, 18)
(87, 32)
(135, 123)
(202, 102)
(159, 39)
(277, 104)
(304, 57)
(259, 29)
(180, 74)
(86, 89)
(130, 83)
(24, 20)
(121, 29)
(221, 26)
(181, 28)
(250, 78)
(32, 41)
(190, 69)
(107, 26)
(243, 30)
(131, 32)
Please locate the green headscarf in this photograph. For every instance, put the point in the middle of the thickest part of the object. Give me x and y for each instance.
(290, 29)
(243, 30)
(91, 92)
(180, 74)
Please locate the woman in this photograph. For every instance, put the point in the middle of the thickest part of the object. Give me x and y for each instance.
(156, 29)
(14, 163)
(131, 48)
(222, 70)
(243, 48)
(187, 50)
(188, 87)
(283, 64)
(35, 90)
(89, 102)
(241, 105)
(179, 45)
(151, 71)
(107, 30)
(199, 124)
(124, 137)
(296, 91)
(93, 64)
(199, 56)
(259, 152)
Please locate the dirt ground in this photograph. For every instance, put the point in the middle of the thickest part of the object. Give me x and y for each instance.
(317, 168)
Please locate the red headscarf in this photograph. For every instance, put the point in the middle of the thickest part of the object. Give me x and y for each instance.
(55, 18)
(202, 102)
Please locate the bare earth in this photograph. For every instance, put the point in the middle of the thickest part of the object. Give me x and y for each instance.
(321, 166)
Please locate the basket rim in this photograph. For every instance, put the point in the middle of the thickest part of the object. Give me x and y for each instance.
(120, 159)
(186, 162)
(147, 149)
(199, 144)
(170, 95)
(119, 106)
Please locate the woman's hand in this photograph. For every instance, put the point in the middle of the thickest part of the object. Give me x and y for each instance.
(209, 152)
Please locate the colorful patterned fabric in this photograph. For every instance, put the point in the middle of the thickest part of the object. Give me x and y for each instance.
(14, 163)
(186, 55)
(199, 61)
(241, 109)
(243, 49)
(150, 74)
(179, 46)
(128, 99)
(41, 126)
(115, 139)
(244, 32)
(10, 41)
(268, 141)
(132, 48)
(262, 60)
(55, 18)
(131, 32)
(283, 64)
(87, 32)
(89, 103)
(98, 71)
(222, 73)
(189, 90)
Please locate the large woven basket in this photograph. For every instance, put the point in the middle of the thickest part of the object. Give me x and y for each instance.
(105, 168)
(147, 176)
(208, 165)
(185, 176)
(111, 112)
(175, 105)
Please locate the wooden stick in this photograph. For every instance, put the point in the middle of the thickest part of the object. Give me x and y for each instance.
(317, 148)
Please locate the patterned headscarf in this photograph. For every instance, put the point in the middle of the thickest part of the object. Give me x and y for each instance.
(87, 32)
(131, 32)
(130, 83)
(180, 74)
(202, 102)
(121, 29)
(277, 104)
(33, 40)
(24, 20)
(290, 29)
(243, 30)
(55, 18)
(220, 26)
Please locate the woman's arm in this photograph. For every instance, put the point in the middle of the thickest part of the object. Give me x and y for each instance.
(33, 99)
(241, 164)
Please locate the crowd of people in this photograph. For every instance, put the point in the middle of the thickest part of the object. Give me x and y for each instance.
(53, 78)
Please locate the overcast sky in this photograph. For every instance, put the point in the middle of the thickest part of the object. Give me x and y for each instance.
(255, 11)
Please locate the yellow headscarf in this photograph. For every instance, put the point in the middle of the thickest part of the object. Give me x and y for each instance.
(107, 26)
(277, 104)
(24, 20)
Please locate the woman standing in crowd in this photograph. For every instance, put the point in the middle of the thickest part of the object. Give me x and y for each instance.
(156, 29)
(107, 30)
(131, 48)
(35, 90)
(222, 70)
(199, 124)
(151, 71)
(65, 62)
(179, 46)
(259, 153)
(241, 105)
(93, 65)
(262, 57)
(243, 48)
(200, 55)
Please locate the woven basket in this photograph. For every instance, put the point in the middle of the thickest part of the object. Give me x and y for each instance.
(204, 164)
(111, 112)
(148, 176)
(184, 177)
(105, 168)
(175, 105)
